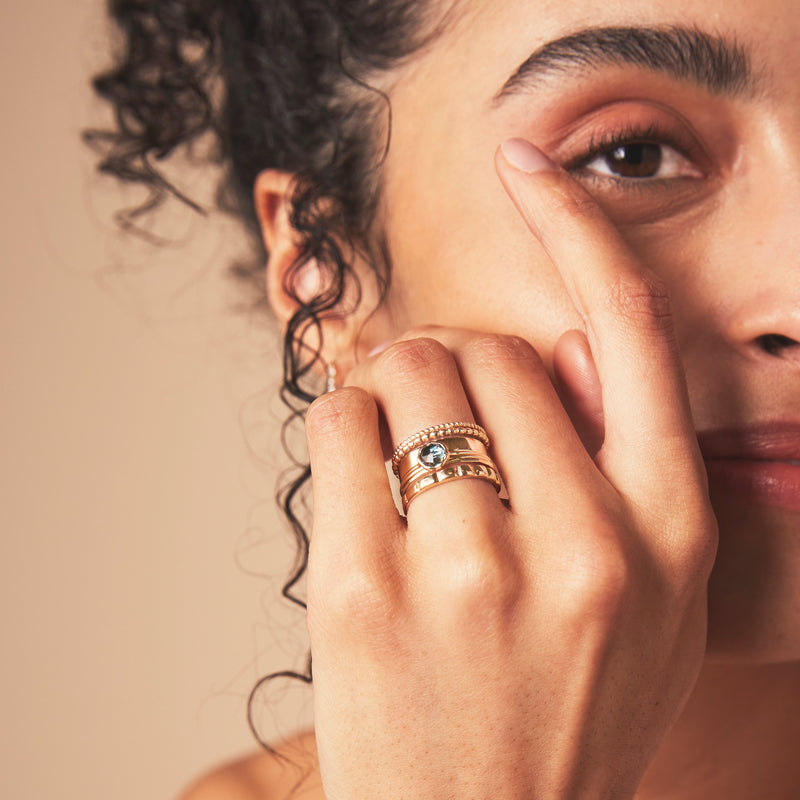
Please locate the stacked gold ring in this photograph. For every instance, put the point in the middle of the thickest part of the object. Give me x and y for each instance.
(427, 460)
(435, 432)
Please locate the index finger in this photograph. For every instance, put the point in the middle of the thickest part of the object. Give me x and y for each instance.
(628, 317)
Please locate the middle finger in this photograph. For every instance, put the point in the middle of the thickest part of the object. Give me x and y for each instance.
(536, 447)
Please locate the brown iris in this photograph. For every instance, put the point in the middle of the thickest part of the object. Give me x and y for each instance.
(635, 160)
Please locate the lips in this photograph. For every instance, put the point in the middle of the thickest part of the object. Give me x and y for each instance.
(760, 462)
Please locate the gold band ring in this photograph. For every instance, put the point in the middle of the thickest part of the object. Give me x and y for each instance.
(435, 432)
(483, 469)
(441, 460)
(437, 453)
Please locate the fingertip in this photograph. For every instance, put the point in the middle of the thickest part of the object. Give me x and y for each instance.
(519, 163)
(575, 368)
(572, 351)
(579, 387)
(525, 157)
(534, 181)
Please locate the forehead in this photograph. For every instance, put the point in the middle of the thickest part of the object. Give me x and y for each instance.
(485, 41)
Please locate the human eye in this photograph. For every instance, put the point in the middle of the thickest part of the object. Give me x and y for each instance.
(642, 162)
(637, 160)
(630, 155)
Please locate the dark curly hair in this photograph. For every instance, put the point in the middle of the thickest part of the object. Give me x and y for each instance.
(283, 84)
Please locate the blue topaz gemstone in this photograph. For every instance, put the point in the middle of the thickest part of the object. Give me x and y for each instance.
(432, 455)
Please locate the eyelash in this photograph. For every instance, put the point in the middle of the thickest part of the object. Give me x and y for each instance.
(627, 135)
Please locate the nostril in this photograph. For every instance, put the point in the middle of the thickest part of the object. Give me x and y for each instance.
(776, 343)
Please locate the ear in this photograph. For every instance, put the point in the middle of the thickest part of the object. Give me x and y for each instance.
(346, 338)
(272, 201)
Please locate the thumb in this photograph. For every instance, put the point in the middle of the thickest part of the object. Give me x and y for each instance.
(578, 386)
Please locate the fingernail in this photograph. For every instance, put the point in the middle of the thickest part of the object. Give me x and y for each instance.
(522, 155)
(379, 349)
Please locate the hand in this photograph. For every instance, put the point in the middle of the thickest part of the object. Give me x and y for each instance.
(539, 648)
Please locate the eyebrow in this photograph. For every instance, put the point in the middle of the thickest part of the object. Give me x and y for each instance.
(719, 65)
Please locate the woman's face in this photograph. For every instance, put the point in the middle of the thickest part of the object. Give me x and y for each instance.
(707, 192)
(715, 210)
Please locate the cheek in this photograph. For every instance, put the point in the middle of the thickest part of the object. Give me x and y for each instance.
(462, 257)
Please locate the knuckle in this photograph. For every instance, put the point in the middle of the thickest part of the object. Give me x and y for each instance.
(494, 349)
(480, 586)
(406, 360)
(599, 583)
(641, 300)
(357, 603)
(340, 414)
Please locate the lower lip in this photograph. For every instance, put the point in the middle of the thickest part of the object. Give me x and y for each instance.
(773, 483)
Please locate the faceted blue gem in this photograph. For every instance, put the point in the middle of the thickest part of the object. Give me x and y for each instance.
(432, 455)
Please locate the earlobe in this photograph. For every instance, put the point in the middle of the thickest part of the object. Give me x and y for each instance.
(347, 333)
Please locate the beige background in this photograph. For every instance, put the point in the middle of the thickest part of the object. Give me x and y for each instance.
(134, 521)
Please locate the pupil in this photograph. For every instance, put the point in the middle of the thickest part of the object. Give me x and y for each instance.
(637, 160)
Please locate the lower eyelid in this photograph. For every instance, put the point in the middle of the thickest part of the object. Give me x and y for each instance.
(638, 203)
(614, 184)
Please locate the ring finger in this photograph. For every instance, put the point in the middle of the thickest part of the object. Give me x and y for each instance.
(417, 385)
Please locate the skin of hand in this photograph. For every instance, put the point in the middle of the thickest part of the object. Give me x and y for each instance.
(540, 647)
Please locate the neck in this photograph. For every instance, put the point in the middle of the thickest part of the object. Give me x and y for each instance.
(736, 739)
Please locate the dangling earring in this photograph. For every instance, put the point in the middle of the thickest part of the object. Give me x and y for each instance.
(330, 379)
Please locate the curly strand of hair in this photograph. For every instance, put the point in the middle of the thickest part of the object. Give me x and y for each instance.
(304, 677)
(159, 91)
(277, 84)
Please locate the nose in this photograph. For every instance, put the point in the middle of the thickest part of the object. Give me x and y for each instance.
(737, 304)
(765, 311)
(758, 273)
(740, 334)
(771, 331)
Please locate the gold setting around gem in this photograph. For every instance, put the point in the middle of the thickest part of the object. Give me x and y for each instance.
(434, 432)
(459, 450)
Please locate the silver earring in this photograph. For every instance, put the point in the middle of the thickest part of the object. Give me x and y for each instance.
(330, 379)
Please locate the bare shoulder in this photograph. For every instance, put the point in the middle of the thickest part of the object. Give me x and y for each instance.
(289, 772)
